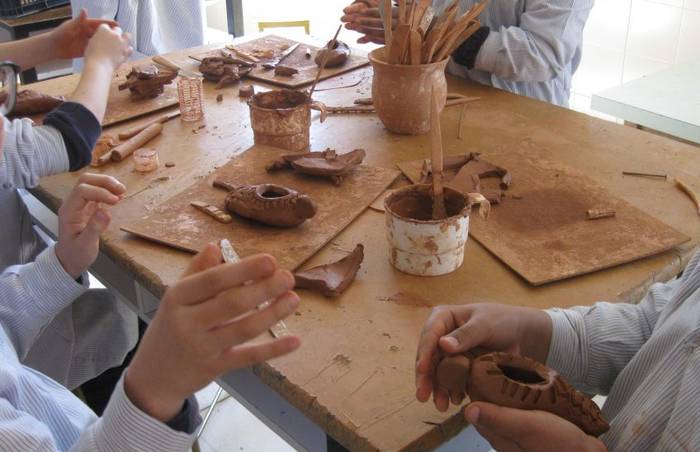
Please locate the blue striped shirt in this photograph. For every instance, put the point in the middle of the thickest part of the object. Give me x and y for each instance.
(645, 357)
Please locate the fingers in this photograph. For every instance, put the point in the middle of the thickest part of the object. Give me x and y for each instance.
(97, 188)
(103, 180)
(97, 224)
(247, 355)
(465, 338)
(502, 421)
(439, 323)
(441, 399)
(208, 284)
(240, 300)
(208, 257)
(257, 323)
(82, 15)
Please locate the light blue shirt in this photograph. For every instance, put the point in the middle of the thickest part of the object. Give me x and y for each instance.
(533, 49)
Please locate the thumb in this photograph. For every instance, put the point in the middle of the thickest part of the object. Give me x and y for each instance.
(209, 257)
(82, 16)
(97, 224)
(501, 421)
(463, 339)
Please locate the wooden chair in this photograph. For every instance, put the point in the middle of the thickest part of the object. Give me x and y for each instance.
(286, 24)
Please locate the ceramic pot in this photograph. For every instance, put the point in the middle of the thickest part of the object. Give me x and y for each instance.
(420, 245)
(401, 93)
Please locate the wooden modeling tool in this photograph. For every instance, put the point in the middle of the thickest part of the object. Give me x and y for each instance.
(439, 211)
(388, 26)
(229, 254)
(329, 46)
(213, 211)
(162, 61)
(690, 192)
(272, 64)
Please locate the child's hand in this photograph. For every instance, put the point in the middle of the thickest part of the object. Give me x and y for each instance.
(203, 328)
(81, 220)
(71, 38)
(109, 46)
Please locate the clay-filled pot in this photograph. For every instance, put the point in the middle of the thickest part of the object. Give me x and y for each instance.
(420, 245)
(401, 93)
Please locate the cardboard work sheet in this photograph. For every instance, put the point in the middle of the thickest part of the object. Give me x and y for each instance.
(306, 66)
(545, 235)
(179, 225)
(120, 106)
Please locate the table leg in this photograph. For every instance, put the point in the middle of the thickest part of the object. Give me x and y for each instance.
(234, 16)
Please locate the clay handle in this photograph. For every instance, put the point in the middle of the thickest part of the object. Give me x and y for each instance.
(484, 204)
(320, 106)
(125, 149)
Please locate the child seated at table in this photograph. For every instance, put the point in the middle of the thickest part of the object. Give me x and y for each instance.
(63, 143)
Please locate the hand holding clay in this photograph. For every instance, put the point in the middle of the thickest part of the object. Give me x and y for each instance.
(452, 330)
(203, 326)
(71, 38)
(510, 429)
(108, 46)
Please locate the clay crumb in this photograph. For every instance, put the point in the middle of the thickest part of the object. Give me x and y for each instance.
(297, 313)
(220, 98)
(394, 348)
(407, 299)
(169, 164)
(343, 359)
(386, 335)
(201, 127)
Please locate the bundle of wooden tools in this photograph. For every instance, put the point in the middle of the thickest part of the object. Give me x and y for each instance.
(422, 36)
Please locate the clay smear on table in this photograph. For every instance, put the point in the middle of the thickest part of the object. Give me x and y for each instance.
(270, 204)
(30, 102)
(466, 173)
(519, 382)
(331, 280)
(327, 164)
(337, 56)
(147, 81)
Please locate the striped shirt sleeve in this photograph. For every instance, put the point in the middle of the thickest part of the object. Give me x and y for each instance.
(591, 345)
(29, 153)
(32, 295)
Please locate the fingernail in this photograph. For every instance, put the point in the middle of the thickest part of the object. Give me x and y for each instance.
(473, 413)
(451, 341)
(293, 300)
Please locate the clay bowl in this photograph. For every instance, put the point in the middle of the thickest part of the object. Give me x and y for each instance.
(401, 93)
(281, 118)
(420, 245)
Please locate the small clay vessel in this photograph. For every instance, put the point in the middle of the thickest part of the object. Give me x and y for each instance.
(331, 279)
(337, 56)
(30, 102)
(523, 383)
(147, 81)
(269, 204)
(324, 164)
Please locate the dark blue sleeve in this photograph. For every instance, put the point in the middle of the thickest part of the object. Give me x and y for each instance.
(80, 130)
(187, 420)
(466, 53)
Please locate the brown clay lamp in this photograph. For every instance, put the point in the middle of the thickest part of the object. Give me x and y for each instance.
(439, 211)
(270, 204)
(323, 164)
(522, 383)
(147, 81)
(331, 279)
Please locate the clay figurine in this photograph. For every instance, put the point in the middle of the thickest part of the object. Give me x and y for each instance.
(223, 70)
(331, 279)
(147, 82)
(324, 164)
(519, 382)
(31, 102)
(338, 55)
(270, 204)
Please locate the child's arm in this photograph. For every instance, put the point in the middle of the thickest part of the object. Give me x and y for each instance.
(67, 41)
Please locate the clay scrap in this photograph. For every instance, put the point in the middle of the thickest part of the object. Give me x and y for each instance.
(331, 280)
(30, 102)
(519, 382)
(273, 205)
(104, 146)
(337, 56)
(324, 164)
(224, 70)
(285, 71)
(147, 81)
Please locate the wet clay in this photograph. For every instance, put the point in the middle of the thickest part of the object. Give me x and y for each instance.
(147, 81)
(223, 70)
(417, 204)
(331, 280)
(521, 383)
(286, 71)
(270, 204)
(324, 164)
(452, 375)
(30, 102)
(280, 99)
(337, 56)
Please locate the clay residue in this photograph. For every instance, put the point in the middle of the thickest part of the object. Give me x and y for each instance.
(416, 203)
(331, 279)
(408, 299)
(280, 99)
(545, 210)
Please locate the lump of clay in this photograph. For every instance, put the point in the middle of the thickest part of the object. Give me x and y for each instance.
(285, 71)
(269, 204)
(223, 70)
(331, 279)
(523, 383)
(147, 82)
(30, 102)
(337, 56)
(325, 164)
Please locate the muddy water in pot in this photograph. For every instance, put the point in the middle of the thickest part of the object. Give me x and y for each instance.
(281, 118)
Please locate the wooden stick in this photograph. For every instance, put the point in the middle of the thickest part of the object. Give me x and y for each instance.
(632, 173)
(322, 66)
(402, 12)
(388, 28)
(690, 192)
(415, 49)
(460, 132)
(242, 54)
(129, 133)
(399, 44)
(460, 101)
(598, 214)
(342, 110)
(439, 211)
(166, 63)
(213, 211)
(125, 149)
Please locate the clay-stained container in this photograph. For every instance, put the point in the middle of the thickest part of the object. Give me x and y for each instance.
(401, 93)
(418, 244)
(281, 118)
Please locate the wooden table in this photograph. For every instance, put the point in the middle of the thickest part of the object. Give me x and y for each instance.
(20, 28)
(353, 376)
